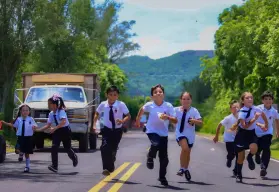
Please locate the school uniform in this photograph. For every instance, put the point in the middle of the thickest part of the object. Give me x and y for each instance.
(111, 132)
(61, 134)
(24, 133)
(157, 132)
(229, 137)
(265, 137)
(185, 130)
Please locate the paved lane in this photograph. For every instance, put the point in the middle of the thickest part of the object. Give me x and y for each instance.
(208, 170)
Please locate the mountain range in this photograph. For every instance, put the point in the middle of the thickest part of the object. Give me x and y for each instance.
(144, 72)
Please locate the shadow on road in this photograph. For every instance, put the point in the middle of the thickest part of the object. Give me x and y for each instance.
(261, 184)
(195, 182)
(125, 182)
(168, 187)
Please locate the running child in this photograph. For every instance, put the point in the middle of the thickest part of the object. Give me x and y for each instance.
(60, 132)
(229, 135)
(265, 136)
(246, 137)
(113, 110)
(25, 126)
(188, 117)
(161, 113)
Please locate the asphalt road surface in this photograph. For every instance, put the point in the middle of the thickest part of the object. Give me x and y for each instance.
(207, 167)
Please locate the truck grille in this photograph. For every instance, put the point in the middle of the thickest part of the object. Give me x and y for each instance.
(41, 113)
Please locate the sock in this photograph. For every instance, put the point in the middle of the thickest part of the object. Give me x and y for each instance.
(239, 168)
(27, 162)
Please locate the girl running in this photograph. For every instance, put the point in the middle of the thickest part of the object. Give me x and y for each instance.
(188, 117)
(246, 137)
(61, 131)
(160, 114)
(25, 126)
(229, 136)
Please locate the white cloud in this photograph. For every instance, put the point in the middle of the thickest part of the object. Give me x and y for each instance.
(181, 5)
(155, 47)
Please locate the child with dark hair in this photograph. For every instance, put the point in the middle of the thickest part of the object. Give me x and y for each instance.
(188, 117)
(265, 135)
(114, 111)
(25, 126)
(60, 132)
(161, 113)
(229, 135)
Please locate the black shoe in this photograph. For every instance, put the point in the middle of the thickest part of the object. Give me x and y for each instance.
(150, 163)
(52, 168)
(106, 172)
(164, 181)
(251, 163)
(239, 178)
(75, 160)
(20, 159)
(229, 163)
(180, 172)
(234, 173)
(258, 159)
(26, 170)
(263, 173)
(187, 175)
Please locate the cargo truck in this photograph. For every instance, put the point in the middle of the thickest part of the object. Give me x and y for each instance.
(81, 94)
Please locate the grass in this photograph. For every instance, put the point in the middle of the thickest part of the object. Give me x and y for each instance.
(274, 146)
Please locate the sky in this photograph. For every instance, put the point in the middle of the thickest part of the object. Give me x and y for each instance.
(165, 27)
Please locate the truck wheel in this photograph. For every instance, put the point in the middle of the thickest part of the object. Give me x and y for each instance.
(93, 141)
(2, 149)
(83, 143)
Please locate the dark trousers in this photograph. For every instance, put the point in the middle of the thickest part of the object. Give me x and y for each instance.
(64, 135)
(110, 141)
(264, 143)
(230, 146)
(159, 144)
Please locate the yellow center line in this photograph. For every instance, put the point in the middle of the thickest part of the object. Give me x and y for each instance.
(102, 183)
(124, 178)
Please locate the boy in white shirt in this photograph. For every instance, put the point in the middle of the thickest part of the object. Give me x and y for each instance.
(112, 132)
(229, 135)
(265, 136)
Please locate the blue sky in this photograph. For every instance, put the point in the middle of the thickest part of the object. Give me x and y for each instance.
(165, 27)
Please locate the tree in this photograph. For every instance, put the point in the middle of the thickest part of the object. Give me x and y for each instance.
(16, 41)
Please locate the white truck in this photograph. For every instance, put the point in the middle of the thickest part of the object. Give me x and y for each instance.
(81, 94)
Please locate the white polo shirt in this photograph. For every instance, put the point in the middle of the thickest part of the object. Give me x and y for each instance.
(119, 108)
(29, 123)
(228, 122)
(242, 115)
(154, 123)
(189, 130)
(60, 114)
(271, 115)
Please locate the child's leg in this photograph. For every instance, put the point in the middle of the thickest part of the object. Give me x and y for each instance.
(266, 153)
(56, 140)
(27, 161)
(240, 160)
(155, 142)
(117, 135)
(164, 160)
(66, 140)
(184, 155)
(106, 150)
(258, 154)
(231, 153)
(253, 150)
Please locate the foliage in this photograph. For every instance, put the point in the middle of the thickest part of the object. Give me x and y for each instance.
(143, 72)
(133, 104)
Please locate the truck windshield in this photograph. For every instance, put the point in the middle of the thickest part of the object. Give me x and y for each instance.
(42, 94)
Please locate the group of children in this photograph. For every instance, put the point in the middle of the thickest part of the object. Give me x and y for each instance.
(58, 126)
(249, 127)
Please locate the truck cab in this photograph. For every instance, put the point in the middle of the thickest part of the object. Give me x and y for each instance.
(79, 100)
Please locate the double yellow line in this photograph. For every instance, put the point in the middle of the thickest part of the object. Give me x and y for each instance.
(124, 178)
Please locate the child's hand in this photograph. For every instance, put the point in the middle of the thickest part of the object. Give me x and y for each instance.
(119, 121)
(215, 139)
(164, 117)
(137, 123)
(34, 128)
(262, 126)
(52, 130)
(257, 115)
(192, 121)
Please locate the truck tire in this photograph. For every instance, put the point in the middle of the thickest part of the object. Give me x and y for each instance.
(93, 141)
(39, 140)
(83, 143)
(2, 149)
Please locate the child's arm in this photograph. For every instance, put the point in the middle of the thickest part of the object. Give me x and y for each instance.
(265, 122)
(140, 113)
(216, 138)
(96, 117)
(247, 125)
(196, 121)
(44, 127)
(277, 128)
(8, 124)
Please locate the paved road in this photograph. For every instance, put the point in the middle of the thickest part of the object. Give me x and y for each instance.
(207, 168)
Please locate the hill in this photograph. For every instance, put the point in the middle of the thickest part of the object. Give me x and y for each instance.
(144, 72)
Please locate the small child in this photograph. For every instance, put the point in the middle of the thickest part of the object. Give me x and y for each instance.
(160, 114)
(265, 136)
(188, 117)
(229, 136)
(114, 111)
(60, 132)
(25, 126)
